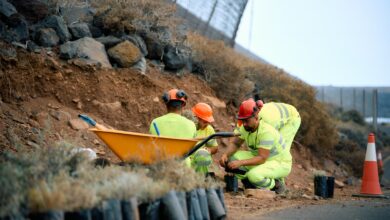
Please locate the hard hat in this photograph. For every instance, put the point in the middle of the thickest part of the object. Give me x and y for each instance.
(203, 111)
(175, 95)
(248, 108)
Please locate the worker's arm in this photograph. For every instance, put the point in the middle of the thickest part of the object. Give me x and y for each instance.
(230, 151)
(262, 156)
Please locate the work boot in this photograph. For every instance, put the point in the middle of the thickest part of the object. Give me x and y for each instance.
(280, 187)
(247, 184)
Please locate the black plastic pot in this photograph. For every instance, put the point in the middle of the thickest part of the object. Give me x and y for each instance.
(231, 183)
(129, 209)
(330, 187)
(193, 208)
(107, 210)
(216, 209)
(170, 207)
(221, 196)
(204, 207)
(149, 210)
(79, 215)
(320, 186)
(50, 215)
(181, 196)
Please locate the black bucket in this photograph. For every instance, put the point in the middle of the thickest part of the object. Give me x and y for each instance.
(129, 209)
(149, 210)
(221, 196)
(231, 183)
(320, 188)
(203, 204)
(330, 187)
(107, 210)
(216, 209)
(171, 208)
(181, 196)
(193, 207)
(79, 215)
(50, 215)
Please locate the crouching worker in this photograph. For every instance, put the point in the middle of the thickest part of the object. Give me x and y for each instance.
(201, 160)
(173, 124)
(268, 161)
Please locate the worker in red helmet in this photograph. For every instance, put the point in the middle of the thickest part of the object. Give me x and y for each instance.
(201, 160)
(268, 161)
(173, 124)
(283, 117)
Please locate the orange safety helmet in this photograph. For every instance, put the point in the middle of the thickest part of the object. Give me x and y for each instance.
(203, 111)
(175, 95)
(248, 108)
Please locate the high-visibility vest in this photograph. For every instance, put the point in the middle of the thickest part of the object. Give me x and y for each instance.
(277, 114)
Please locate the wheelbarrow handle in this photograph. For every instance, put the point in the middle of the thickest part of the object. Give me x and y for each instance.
(87, 119)
(204, 141)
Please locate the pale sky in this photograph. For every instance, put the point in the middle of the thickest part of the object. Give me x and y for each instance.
(322, 42)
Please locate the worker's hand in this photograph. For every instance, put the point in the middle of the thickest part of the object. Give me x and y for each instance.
(234, 164)
(224, 159)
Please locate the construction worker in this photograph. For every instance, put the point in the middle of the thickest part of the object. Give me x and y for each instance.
(283, 117)
(268, 161)
(173, 124)
(201, 159)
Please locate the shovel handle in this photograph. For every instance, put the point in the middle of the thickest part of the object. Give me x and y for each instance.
(87, 119)
(204, 141)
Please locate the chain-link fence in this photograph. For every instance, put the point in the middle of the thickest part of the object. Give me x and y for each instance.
(215, 19)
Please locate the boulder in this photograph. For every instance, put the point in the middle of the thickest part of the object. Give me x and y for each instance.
(215, 102)
(86, 48)
(108, 107)
(126, 54)
(141, 66)
(47, 37)
(60, 115)
(74, 13)
(32, 46)
(78, 124)
(175, 58)
(32, 10)
(155, 46)
(95, 31)
(109, 41)
(58, 24)
(79, 30)
(17, 28)
(138, 41)
(6, 8)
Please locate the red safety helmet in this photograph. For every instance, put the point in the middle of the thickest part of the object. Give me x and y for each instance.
(175, 95)
(203, 111)
(249, 108)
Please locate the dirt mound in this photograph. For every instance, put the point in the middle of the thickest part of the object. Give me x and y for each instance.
(41, 93)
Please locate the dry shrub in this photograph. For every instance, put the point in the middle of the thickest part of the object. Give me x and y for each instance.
(62, 193)
(224, 68)
(130, 16)
(351, 154)
(180, 177)
(235, 77)
(11, 191)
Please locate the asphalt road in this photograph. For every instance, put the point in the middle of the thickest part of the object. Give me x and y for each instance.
(376, 209)
(368, 209)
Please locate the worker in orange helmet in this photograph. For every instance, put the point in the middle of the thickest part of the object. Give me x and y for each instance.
(173, 124)
(268, 161)
(201, 160)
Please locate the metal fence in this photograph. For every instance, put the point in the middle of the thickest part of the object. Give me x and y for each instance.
(215, 19)
(361, 99)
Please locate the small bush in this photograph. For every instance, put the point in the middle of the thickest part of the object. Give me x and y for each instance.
(350, 154)
(353, 115)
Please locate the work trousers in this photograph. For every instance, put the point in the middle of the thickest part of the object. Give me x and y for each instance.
(263, 175)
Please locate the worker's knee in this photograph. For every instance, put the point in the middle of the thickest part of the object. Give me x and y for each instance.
(260, 181)
(202, 158)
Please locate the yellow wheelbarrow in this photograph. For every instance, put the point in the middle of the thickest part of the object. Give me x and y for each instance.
(147, 148)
